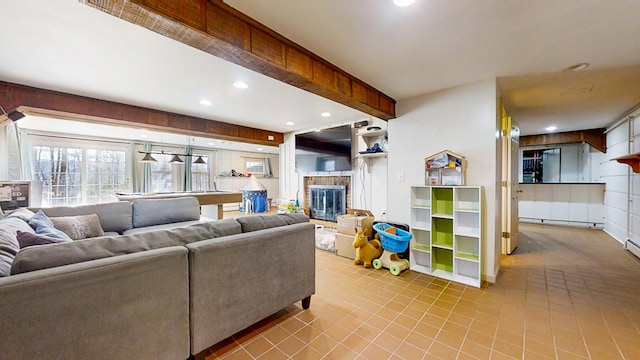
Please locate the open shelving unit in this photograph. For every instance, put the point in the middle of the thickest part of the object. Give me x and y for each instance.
(446, 225)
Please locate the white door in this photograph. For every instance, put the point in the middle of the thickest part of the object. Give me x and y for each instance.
(510, 188)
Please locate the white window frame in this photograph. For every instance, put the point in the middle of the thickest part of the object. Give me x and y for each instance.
(36, 139)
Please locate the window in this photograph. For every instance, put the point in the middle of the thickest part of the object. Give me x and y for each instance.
(200, 176)
(106, 174)
(162, 174)
(77, 172)
(254, 165)
(60, 170)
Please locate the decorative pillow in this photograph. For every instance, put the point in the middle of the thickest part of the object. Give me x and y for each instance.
(21, 213)
(43, 226)
(79, 227)
(26, 239)
(9, 246)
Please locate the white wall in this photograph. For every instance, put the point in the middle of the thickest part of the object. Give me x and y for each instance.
(464, 120)
(622, 194)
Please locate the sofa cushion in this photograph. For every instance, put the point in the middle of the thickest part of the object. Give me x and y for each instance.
(26, 239)
(9, 246)
(43, 226)
(114, 216)
(259, 222)
(149, 212)
(48, 256)
(79, 227)
(161, 227)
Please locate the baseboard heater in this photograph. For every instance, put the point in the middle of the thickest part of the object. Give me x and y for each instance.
(633, 247)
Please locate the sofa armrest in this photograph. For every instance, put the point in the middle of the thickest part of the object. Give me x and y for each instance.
(113, 308)
(239, 280)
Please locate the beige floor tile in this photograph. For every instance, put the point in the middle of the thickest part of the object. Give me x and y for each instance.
(550, 302)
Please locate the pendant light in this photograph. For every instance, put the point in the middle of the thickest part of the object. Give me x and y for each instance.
(176, 159)
(148, 158)
(199, 160)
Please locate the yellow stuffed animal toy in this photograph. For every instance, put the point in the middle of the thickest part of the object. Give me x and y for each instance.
(366, 251)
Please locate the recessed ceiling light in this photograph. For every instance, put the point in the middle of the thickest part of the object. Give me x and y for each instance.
(240, 85)
(577, 67)
(290, 123)
(325, 114)
(210, 143)
(551, 128)
(206, 102)
(144, 136)
(403, 3)
(259, 149)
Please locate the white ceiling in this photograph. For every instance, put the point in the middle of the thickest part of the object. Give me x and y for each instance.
(404, 52)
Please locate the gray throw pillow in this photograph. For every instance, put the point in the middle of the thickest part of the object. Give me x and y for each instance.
(79, 227)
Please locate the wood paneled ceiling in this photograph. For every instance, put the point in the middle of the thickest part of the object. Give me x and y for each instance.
(216, 28)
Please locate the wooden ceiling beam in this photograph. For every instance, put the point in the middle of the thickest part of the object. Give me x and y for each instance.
(218, 29)
(73, 107)
(594, 137)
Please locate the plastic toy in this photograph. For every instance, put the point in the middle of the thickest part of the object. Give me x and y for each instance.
(366, 251)
(394, 240)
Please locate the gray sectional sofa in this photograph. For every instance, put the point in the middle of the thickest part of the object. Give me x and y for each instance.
(162, 293)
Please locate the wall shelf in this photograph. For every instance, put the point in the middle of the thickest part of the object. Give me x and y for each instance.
(632, 160)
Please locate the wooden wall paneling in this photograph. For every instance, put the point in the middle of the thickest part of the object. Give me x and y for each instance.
(75, 107)
(299, 62)
(343, 83)
(188, 12)
(267, 47)
(594, 137)
(359, 91)
(323, 75)
(220, 30)
(229, 28)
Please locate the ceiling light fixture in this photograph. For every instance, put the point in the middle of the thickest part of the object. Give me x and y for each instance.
(551, 128)
(240, 85)
(176, 159)
(325, 114)
(403, 3)
(206, 102)
(259, 149)
(147, 158)
(199, 160)
(577, 67)
(289, 123)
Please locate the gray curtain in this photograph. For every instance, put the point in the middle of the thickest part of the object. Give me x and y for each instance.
(26, 158)
(146, 185)
(133, 168)
(186, 169)
(267, 168)
(14, 157)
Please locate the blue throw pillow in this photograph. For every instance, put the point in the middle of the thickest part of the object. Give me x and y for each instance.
(43, 226)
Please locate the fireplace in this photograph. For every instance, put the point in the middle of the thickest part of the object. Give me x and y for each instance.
(326, 202)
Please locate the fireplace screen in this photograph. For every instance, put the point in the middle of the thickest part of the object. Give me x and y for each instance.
(326, 202)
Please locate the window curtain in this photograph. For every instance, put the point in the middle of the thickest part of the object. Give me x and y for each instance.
(18, 159)
(186, 169)
(26, 155)
(146, 183)
(133, 168)
(267, 168)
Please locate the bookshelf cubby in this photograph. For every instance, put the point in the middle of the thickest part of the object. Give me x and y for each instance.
(446, 224)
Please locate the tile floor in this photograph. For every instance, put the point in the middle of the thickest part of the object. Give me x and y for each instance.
(565, 293)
